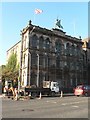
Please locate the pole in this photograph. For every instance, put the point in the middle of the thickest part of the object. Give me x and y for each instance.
(61, 94)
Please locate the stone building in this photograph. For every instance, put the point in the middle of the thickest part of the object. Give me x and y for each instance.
(50, 55)
(15, 49)
(86, 60)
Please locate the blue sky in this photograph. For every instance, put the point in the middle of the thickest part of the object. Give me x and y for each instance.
(15, 16)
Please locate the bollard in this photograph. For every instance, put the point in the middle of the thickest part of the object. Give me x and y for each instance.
(40, 96)
(61, 93)
(29, 95)
(16, 94)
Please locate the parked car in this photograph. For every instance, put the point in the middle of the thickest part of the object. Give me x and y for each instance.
(81, 90)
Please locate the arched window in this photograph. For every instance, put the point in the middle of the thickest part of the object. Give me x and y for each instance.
(62, 48)
(24, 43)
(57, 46)
(46, 61)
(41, 60)
(34, 41)
(47, 43)
(41, 77)
(33, 59)
(67, 48)
(41, 42)
(70, 50)
(58, 61)
(49, 61)
(24, 60)
(78, 50)
(33, 80)
(73, 49)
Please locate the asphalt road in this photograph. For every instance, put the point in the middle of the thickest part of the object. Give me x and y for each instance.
(47, 107)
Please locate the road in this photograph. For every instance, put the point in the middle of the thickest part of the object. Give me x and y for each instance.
(47, 107)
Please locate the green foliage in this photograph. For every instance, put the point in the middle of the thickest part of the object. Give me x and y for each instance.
(11, 70)
(12, 62)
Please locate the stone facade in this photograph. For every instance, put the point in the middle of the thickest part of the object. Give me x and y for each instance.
(15, 49)
(50, 55)
(86, 49)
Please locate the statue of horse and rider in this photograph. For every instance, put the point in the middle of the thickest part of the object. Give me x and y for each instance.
(58, 24)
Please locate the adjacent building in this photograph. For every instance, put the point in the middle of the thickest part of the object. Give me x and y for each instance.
(86, 50)
(15, 49)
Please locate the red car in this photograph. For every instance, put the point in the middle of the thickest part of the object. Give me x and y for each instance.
(82, 90)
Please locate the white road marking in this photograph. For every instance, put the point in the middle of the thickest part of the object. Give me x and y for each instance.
(72, 103)
(76, 106)
(51, 101)
(63, 104)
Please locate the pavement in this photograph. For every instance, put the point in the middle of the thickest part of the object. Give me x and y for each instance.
(39, 97)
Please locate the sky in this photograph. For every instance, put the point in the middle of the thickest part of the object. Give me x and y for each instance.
(15, 17)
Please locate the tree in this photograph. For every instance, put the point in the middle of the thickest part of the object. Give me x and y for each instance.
(12, 62)
(2, 68)
(11, 70)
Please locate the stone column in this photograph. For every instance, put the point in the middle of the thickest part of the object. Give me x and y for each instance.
(29, 68)
(37, 70)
